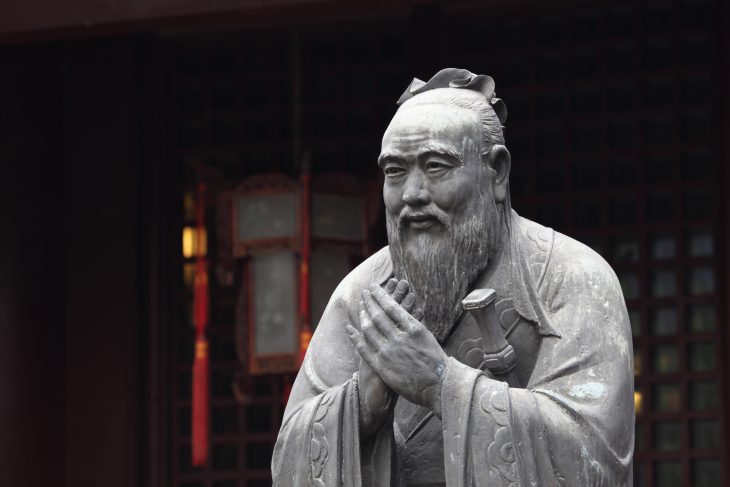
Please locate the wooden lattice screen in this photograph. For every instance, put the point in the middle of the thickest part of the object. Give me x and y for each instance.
(615, 142)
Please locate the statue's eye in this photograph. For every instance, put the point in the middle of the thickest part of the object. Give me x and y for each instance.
(437, 168)
(393, 171)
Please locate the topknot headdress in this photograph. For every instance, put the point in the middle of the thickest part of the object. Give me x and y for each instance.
(458, 78)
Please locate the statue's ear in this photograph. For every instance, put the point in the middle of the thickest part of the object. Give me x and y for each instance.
(500, 160)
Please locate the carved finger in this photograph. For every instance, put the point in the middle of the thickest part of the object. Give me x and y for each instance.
(391, 285)
(362, 347)
(379, 318)
(400, 291)
(371, 333)
(393, 310)
(409, 302)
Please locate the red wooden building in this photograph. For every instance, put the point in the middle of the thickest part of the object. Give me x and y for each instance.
(111, 113)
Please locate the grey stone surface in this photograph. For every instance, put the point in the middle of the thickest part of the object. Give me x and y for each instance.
(531, 385)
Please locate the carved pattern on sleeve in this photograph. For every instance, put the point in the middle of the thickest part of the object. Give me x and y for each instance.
(500, 451)
(318, 446)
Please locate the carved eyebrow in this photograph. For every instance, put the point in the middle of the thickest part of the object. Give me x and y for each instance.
(426, 149)
(391, 155)
(440, 149)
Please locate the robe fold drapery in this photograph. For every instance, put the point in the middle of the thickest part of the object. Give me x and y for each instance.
(571, 425)
(320, 444)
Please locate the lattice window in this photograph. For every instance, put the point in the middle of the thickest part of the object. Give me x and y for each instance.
(230, 116)
(610, 129)
(613, 145)
(233, 118)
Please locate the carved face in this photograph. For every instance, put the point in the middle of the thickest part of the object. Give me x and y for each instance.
(433, 169)
(440, 212)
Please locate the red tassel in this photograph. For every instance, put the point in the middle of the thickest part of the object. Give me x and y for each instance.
(200, 403)
(305, 329)
(201, 367)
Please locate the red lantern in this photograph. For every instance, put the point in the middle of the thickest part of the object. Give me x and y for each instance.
(298, 240)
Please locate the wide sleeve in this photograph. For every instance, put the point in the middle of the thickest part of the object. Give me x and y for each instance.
(319, 442)
(318, 445)
(573, 424)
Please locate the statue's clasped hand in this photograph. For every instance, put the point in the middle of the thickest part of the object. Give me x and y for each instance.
(400, 349)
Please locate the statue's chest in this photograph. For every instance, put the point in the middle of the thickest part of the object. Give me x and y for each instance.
(418, 434)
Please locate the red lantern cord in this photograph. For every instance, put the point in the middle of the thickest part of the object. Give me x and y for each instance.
(305, 330)
(201, 367)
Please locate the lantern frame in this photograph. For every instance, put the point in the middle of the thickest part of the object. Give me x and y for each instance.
(343, 185)
(277, 183)
(265, 185)
(268, 363)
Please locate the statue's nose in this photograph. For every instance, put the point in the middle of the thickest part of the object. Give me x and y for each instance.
(415, 192)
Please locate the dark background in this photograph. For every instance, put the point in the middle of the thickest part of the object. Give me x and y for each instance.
(108, 112)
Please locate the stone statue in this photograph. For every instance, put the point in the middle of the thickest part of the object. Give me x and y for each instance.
(479, 348)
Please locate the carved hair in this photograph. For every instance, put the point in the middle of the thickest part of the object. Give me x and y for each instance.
(464, 89)
(491, 127)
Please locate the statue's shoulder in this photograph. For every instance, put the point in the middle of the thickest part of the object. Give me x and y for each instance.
(377, 269)
(565, 255)
(580, 258)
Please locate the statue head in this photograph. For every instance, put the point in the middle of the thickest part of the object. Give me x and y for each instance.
(446, 189)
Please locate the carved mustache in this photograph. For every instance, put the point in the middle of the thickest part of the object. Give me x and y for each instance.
(406, 216)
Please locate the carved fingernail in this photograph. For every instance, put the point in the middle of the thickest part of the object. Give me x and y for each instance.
(390, 285)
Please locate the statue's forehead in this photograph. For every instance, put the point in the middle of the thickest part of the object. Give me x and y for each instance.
(439, 122)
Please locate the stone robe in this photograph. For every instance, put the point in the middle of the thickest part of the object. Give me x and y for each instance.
(570, 424)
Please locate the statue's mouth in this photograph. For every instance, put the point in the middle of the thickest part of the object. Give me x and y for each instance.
(420, 220)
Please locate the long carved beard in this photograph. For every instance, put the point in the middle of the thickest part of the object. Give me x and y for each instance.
(441, 267)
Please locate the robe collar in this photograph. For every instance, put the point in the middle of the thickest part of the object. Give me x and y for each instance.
(526, 239)
(528, 275)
